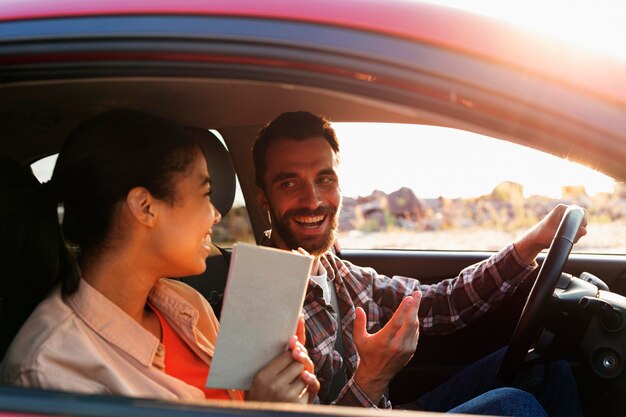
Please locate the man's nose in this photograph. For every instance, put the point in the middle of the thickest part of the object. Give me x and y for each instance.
(311, 197)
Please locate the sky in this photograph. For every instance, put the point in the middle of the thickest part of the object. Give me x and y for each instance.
(450, 162)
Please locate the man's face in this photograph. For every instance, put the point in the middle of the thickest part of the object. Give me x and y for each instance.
(302, 194)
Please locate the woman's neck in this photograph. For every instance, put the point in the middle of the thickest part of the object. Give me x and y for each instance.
(118, 276)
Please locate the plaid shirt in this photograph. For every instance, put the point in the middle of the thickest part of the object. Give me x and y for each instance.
(445, 307)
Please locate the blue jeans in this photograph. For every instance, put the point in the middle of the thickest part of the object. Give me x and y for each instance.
(502, 402)
(552, 384)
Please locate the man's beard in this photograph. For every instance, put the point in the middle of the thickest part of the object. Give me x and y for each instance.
(314, 245)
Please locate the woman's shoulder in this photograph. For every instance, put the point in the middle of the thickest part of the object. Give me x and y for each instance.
(44, 334)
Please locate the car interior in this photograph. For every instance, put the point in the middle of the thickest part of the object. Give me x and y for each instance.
(37, 115)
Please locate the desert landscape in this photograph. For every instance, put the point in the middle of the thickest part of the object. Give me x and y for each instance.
(402, 220)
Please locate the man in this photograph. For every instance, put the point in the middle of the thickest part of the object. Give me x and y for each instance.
(296, 158)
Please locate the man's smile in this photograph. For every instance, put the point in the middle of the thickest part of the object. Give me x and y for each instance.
(309, 221)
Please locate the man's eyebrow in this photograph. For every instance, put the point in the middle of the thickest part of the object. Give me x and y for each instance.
(328, 171)
(283, 176)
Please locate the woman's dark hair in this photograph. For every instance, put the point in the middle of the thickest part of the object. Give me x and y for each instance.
(108, 155)
(33, 256)
(299, 125)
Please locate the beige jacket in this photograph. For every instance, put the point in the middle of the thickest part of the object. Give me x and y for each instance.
(85, 343)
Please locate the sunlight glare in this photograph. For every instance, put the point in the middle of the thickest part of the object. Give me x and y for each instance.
(435, 161)
(598, 25)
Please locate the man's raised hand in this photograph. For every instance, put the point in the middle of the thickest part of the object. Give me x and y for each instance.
(385, 352)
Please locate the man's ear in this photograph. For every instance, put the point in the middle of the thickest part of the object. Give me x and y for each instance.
(261, 198)
(142, 206)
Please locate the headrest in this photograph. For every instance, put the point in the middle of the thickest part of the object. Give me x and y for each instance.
(220, 166)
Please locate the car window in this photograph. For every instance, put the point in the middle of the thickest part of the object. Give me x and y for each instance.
(429, 187)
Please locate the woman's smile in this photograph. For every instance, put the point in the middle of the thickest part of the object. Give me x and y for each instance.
(206, 241)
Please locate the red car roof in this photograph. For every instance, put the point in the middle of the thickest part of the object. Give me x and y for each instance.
(423, 22)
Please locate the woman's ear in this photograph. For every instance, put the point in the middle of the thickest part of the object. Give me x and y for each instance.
(142, 206)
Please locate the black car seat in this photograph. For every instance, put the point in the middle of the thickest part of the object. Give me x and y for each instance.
(23, 284)
(212, 281)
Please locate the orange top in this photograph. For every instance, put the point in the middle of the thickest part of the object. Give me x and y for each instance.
(182, 363)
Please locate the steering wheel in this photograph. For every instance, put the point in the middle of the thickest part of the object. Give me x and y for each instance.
(537, 302)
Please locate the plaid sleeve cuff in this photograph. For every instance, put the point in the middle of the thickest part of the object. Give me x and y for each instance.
(352, 396)
(520, 262)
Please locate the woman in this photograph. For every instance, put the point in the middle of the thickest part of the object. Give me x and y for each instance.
(136, 196)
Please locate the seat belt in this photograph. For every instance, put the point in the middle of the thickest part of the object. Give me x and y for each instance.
(225, 254)
(340, 378)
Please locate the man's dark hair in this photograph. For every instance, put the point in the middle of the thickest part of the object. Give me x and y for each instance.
(299, 125)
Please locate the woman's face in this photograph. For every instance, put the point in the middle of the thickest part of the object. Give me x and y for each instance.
(183, 235)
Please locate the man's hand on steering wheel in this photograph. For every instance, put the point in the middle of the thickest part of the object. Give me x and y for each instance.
(540, 236)
(570, 226)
